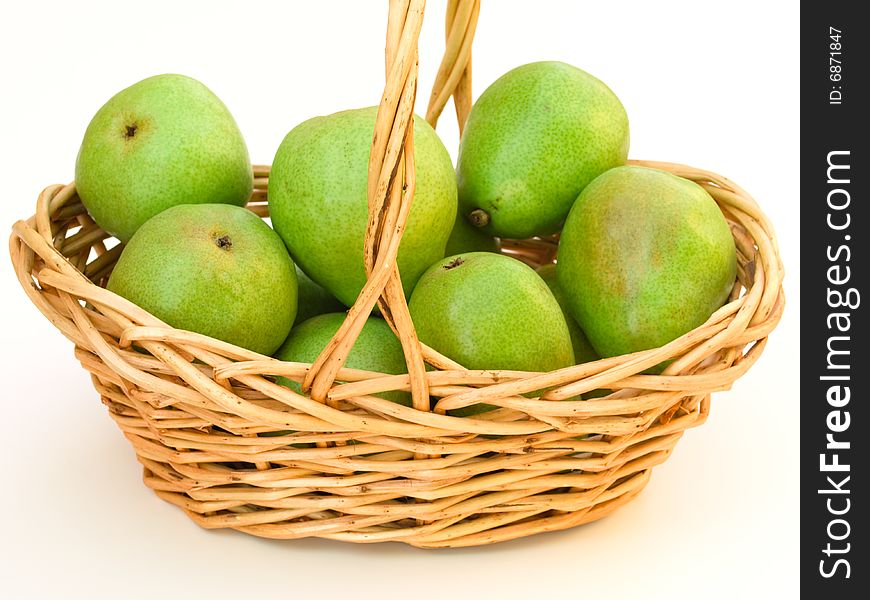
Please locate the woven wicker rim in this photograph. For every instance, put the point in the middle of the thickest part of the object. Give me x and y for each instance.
(361, 468)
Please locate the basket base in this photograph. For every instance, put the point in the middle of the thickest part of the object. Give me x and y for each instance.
(369, 491)
(308, 492)
(542, 525)
(450, 532)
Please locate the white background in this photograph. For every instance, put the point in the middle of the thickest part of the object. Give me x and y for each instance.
(712, 86)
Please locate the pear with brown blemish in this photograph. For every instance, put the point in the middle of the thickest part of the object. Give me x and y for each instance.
(644, 257)
(213, 269)
(490, 311)
(164, 141)
(534, 139)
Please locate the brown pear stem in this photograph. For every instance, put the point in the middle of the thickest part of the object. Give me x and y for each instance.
(479, 217)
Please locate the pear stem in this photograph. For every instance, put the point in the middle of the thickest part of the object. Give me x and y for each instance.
(479, 217)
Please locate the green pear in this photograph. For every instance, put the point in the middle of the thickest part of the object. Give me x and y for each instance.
(313, 299)
(645, 256)
(465, 237)
(318, 202)
(534, 139)
(583, 350)
(164, 141)
(490, 311)
(376, 349)
(215, 269)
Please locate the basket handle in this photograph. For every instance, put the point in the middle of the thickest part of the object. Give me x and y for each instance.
(392, 181)
(454, 74)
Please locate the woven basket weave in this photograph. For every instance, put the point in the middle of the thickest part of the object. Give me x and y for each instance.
(360, 468)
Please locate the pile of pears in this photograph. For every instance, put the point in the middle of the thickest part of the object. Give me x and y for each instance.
(643, 257)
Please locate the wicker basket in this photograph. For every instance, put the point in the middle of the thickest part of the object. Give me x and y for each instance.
(360, 468)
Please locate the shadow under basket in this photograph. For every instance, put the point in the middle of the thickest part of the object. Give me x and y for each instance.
(220, 439)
